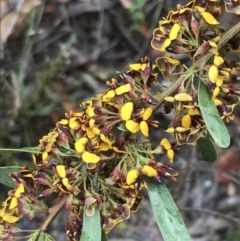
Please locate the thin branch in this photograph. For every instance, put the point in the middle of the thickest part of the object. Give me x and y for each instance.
(53, 212)
(211, 212)
(224, 39)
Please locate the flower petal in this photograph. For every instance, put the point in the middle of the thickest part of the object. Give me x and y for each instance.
(183, 97)
(132, 176)
(147, 113)
(149, 171)
(209, 18)
(144, 128)
(90, 111)
(166, 43)
(10, 218)
(13, 203)
(174, 31)
(213, 73)
(61, 170)
(218, 60)
(165, 143)
(132, 126)
(135, 67)
(126, 111)
(109, 94)
(63, 122)
(123, 89)
(186, 121)
(170, 154)
(80, 144)
(89, 157)
(19, 190)
(65, 182)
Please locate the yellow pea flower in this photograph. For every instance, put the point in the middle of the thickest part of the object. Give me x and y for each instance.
(183, 97)
(149, 171)
(213, 73)
(126, 111)
(132, 176)
(61, 170)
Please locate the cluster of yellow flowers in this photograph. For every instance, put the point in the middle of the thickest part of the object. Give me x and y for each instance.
(101, 155)
(194, 29)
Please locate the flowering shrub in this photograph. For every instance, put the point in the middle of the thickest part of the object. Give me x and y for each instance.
(96, 161)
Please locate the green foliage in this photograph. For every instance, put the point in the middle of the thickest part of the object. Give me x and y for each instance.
(4, 175)
(207, 149)
(99, 159)
(210, 114)
(168, 218)
(23, 149)
(91, 230)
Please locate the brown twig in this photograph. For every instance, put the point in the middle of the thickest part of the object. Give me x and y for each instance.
(211, 212)
(53, 212)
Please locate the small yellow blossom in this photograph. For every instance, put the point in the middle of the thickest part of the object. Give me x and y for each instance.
(17, 194)
(90, 157)
(61, 170)
(186, 121)
(87, 156)
(219, 81)
(209, 18)
(218, 60)
(213, 73)
(63, 122)
(126, 111)
(80, 144)
(149, 171)
(132, 176)
(132, 126)
(169, 99)
(183, 97)
(216, 92)
(168, 147)
(123, 89)
(170, 130)
(74, 124)
(90, 111)
(174, 31)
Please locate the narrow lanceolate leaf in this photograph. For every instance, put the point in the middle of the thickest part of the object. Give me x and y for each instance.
(4, 175)
(168, 218)
(91, 230)
(35, 150)
(207, 149)
(210, 114)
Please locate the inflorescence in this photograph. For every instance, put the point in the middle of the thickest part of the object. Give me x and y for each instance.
(102, 155)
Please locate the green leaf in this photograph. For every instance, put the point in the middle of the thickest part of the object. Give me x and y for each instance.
(122, 127)
(40, 236)
(91, 230)
(34, 236)
(208, 149)
(35, 150)
(4, 175)
(168, 218)
(210, 114)
(104, 236)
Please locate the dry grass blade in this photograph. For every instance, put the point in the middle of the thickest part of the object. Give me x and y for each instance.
(10, 18)
(13, 14)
